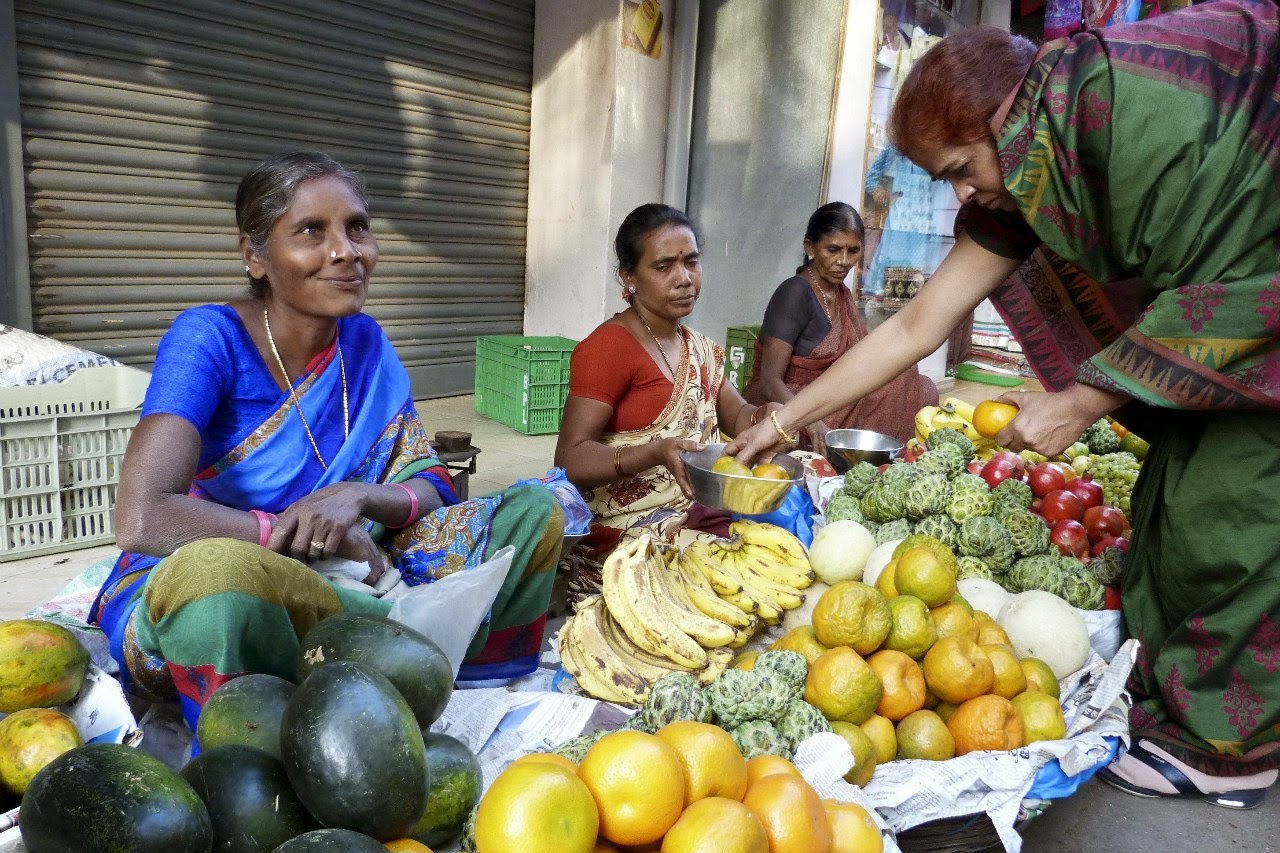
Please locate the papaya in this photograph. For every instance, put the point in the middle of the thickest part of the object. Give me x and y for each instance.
(331, 841)
(42, 664)
(30, 739)
(246, 711)
(251, 804)
(353, 751)
(409, 660)
(109, 798)
(455, 789)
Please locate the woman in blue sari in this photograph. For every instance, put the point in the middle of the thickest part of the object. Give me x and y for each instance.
(278, 433)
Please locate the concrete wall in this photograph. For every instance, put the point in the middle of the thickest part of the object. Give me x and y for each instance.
(597, 149)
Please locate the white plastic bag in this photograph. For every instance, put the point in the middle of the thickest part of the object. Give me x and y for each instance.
(450, 610)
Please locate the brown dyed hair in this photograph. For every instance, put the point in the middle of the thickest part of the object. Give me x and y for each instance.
(953, 90)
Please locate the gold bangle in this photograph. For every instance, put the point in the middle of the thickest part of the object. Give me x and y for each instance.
(773, 416)
(755, 416)
(617, 461)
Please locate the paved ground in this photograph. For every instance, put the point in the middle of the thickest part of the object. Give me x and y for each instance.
(1097, 819)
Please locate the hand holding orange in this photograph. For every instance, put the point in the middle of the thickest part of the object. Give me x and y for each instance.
(991, 416)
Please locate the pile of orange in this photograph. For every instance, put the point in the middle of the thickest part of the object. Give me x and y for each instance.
(917, 670)
(686, 789)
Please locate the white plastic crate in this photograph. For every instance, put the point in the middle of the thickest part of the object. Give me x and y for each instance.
(61, 447)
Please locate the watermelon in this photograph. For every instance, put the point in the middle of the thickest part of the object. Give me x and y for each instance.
(331, 841)
(30, 739)
(455, 789)
(251, 805)
(354, 753)
(246, 711)
(409, 660)
(42, 664)
(109, 798)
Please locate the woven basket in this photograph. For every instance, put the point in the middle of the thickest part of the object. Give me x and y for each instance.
(969, 834)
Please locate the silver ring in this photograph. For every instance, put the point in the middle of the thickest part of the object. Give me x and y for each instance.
(333, 256)
(317, 545)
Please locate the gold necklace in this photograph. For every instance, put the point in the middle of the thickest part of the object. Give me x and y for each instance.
(342, 367)
(826, 300)
(661, 351)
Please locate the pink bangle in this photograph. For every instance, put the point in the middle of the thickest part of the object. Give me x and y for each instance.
(266, 520)
(413, 506)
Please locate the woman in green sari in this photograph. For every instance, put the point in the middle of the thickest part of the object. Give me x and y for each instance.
(1121, 206)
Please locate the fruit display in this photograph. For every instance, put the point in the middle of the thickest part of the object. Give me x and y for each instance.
(246, 711)
(250, 802)
(714, 799)
(681, 611)
(29, 740)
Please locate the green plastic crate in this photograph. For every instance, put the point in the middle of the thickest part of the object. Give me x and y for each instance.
(522, 381)
(739, 354)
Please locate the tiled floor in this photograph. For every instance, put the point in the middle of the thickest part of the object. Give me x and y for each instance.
(505, 456)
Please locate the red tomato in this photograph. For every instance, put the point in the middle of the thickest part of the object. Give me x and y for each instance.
(996, 471)
(1045, 478)
(1070, 538)
(1103, 521)
(1088, 490)
(1018, 463)
(1062, 505)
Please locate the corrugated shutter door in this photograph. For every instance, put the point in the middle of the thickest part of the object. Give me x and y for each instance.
(140, 117)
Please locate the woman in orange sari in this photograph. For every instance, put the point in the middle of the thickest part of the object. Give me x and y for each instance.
(812, 320)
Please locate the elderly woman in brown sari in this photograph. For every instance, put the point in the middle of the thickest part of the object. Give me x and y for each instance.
(813, 319)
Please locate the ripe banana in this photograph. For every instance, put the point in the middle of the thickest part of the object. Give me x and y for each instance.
(784, 547)
(718, 661)
(924, 422)
(650, 666)
(705, 599)
(598, 633)
(664, 638)
(708, 632)
(724, 583)
(594, 674)
(754, 577)
(767, 607)
(618, 600)
(960, 407)
(766, 563)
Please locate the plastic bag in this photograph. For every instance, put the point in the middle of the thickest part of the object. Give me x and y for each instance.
(795, 515)
(577, 515)
(450, 610)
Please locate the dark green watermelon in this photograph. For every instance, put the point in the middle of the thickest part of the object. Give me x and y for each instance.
(251, 805)
(455, 789)
(331, 841)
(109, 798)
(246, 711)
(411, 661)
(354, 753)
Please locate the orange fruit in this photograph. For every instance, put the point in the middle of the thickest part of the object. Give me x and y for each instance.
(852, 829)
(713, 764)
(770, 471)
(622, 771)
(537, 806)
(986, 722)
(792, 814)
(864, 752)
(944, 710)
(1009, 680)
(957, 669)
(913, 631)
(883, 738)
(922, 573)
(924, 735)
(716, 825)
(953, 620)
(989, 417)
(989, 631)
(850, 613)
(843, 686)
(800, 640)
(605, 847)
(767, 765)
(885, 584)
(1041, 716)
(547, 758)
(1040, 677)
(406, 845)
(903, 682)
(730, 465)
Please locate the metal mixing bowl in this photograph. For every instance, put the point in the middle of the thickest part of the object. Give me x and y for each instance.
(732, 493)
(848, 447)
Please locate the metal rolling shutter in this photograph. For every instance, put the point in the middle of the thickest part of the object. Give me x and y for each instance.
(140, 117)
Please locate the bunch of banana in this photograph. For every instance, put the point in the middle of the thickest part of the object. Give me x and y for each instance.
(954, 413)
(609, 666)
(760, 569)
